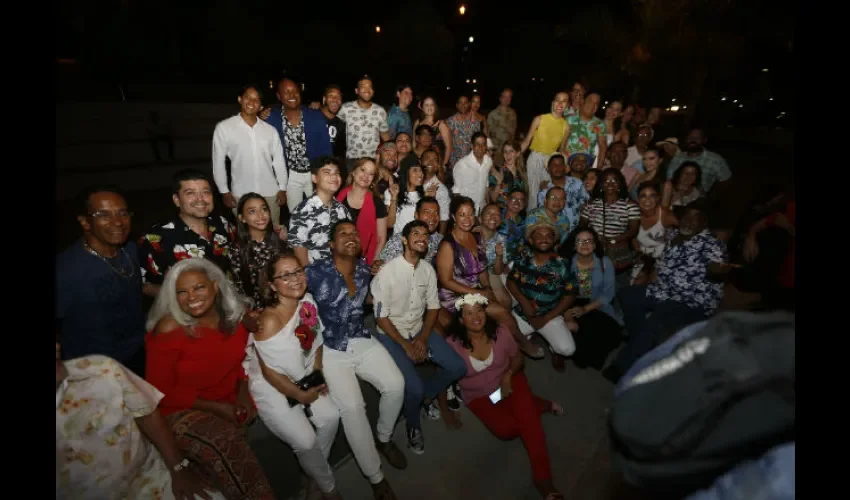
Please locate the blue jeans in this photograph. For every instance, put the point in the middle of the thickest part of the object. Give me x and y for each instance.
(450, 367)
(667, 317)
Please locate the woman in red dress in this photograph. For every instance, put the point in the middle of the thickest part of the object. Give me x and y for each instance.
(196, 344)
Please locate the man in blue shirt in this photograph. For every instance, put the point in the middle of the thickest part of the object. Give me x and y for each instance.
(340, 285)
(304, 135)
(99, 284)
(398, 119)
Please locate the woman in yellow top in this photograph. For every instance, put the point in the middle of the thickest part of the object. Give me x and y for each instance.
(546, 136)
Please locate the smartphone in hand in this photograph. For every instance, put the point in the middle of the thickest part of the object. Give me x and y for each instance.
(496, 396)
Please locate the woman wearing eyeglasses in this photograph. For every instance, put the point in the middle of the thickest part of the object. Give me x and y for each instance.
(288, 347)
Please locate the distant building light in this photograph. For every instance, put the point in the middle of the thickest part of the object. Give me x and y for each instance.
(462, 9)
(467, 80)
(735, 101)
(722, 98)
(471, 39)
(448, 88)
(770, 99)
(740, 105)
(684, 107)
(674, 100)
(271, 84)
(764, 70)
(474, 90)
(674, 108)
(474, 80)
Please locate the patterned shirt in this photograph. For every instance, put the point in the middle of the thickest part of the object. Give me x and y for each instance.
(395, 247)
(259, 254)
(490, 245)
(295, 145)
(310, 226)
(577, 196)
(513, 231)
(508, 184)
(545, 285)
(398, 121)
(714, 167)
(502, 126)
(167, 244)
(462, 131)
(682, 272)
(363, 129)
(100, 451)
(341, 314)
(584, 134)
(561, 222)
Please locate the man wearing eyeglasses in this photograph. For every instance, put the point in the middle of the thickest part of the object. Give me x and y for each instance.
(99, 284)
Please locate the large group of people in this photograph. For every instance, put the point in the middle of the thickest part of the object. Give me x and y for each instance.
(471, 248)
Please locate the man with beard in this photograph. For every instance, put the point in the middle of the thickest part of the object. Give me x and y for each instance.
(398, 119)
(587, 131)
(304, 134)
(427, 211)
(194, 233)
(573, 184)
(339, 285)
(682, 292)
(387, 167)
(634, 158)
(255, 150)
(715, 170)
(403, 292)
(544, 287)
(98, 284)
(365, 124)
(331, 103)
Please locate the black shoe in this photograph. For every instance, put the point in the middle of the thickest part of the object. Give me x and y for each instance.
(393, 455)
(612, 374)
(453, 397)
(416, 441)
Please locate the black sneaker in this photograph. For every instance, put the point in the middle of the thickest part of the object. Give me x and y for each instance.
(416, 441)
(393, 455)
(453, 397)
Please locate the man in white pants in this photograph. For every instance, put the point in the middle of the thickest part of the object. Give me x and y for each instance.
(257, 163)
(544, 286)
(339, 286)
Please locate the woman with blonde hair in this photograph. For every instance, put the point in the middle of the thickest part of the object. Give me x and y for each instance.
(509, 176)
(545, 137)
(368, 211)
(196, 345)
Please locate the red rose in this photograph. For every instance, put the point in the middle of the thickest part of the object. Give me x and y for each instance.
(306, 336)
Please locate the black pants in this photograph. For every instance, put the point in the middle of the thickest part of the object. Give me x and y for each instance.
(598, 334)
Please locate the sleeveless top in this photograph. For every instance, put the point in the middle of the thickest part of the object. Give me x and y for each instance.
(479, 365)
(652, 240)
(549, 135)
(467, 268)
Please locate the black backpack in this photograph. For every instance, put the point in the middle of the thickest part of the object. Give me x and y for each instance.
(724, 395)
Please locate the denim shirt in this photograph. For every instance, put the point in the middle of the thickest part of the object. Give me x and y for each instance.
(341, 314)
(315, 130)
(399, 121)
(603, 286)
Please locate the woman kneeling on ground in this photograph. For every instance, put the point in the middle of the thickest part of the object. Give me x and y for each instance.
(494, 365)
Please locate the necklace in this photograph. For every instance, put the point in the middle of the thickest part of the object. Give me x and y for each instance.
(120, 272)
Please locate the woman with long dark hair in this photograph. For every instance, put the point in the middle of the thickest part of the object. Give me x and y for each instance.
(255, 245)
(654, 170)
(410, 182)
(616, 219)
(599, 328)
(683, 188)
(495, 388)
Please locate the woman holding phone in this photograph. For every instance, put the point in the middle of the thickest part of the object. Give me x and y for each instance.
(495, 389)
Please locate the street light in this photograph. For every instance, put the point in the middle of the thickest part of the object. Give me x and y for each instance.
(462, 9)
(467, 80)
(377, 29)
(471, 39)
(474, 80)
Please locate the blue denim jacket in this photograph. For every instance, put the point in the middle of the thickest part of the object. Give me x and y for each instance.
(315, 130)
(603, 285)
(771, 477)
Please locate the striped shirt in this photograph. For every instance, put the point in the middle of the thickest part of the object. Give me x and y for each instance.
(616, 216)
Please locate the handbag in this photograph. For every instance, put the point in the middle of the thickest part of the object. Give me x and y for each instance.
(314, 379)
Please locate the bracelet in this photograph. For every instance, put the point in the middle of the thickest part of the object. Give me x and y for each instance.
(182, 465)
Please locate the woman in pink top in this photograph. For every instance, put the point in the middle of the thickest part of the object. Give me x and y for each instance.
(494, 365)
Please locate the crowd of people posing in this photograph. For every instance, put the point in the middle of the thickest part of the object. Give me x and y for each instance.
(462, 262)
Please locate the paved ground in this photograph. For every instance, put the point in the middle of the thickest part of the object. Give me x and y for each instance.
(471, 463)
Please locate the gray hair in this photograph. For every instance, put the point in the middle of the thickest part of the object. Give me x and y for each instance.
(230, 304)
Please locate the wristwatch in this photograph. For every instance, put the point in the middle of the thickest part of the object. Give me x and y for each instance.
(182, 465)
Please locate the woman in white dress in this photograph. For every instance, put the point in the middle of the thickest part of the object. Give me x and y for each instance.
(288, 347)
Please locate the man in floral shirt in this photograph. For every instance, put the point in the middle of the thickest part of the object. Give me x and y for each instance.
(544, 287)
(193, 233)
(586, 130)
(311, 222)
(681, 294)
(365, 124)
(573, 184)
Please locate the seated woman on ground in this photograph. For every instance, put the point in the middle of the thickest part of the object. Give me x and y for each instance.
(132, 454)
(288, 347)
(256, 243)
(462, 268)
(195, 348)
(600, 330)
(495, 389)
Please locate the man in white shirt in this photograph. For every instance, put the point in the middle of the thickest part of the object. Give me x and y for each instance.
(256, 157)
(470, 172)
(403, 291)
(365, 124)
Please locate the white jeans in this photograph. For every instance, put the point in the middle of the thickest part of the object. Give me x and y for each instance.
(537, 173)
(369, 360)
(291, 425)
(298, 187)
(555, 332)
